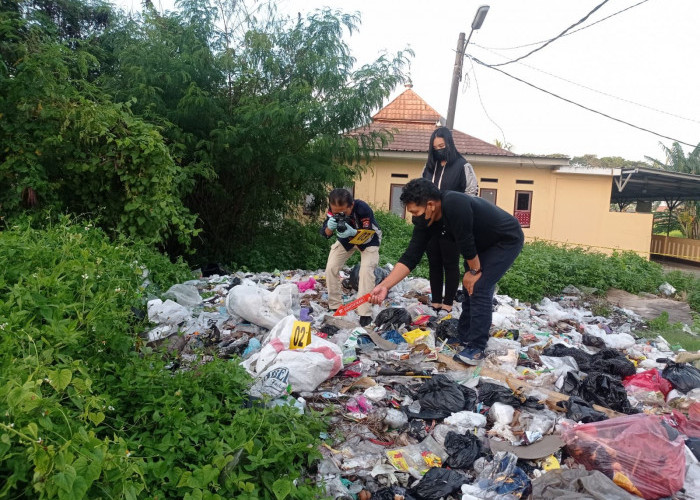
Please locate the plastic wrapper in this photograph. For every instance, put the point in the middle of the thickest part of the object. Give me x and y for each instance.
(417, 457)
(650, 380)
(683, 376)
(640, 453)
(501, 478)
(577, 484)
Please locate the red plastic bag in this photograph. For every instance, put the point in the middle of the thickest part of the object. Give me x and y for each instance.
(650, 380)
(634, 451)
(689, 426)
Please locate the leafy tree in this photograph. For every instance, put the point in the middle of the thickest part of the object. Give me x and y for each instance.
(686, 215)
(67, 146)
(256, 105)
(591, 160)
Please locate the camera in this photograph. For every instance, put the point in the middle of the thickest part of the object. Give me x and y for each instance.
(342, 220)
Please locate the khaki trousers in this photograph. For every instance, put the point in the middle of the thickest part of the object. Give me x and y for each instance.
(337, 258)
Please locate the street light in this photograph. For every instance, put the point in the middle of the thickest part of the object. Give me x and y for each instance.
(459, 58)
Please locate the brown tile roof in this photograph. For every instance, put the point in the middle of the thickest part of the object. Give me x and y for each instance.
(411, 121)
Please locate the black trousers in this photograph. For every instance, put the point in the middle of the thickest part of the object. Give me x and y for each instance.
(443, 262)
(477, 309)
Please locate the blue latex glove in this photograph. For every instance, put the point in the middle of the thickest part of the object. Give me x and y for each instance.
(348, 233)
(332, 224)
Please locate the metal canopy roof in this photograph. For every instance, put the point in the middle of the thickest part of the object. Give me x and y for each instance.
(651, 184)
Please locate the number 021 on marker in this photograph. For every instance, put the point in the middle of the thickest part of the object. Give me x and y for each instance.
(301, 335)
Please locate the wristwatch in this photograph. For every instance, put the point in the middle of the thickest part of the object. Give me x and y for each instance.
(474, 271)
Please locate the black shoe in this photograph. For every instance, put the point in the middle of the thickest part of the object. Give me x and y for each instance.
(365, 320)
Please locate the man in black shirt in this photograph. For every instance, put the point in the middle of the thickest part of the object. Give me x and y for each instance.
(489, 239)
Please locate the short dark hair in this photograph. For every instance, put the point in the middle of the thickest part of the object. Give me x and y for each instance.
(450, 147)
(419, 191)
(340, 196)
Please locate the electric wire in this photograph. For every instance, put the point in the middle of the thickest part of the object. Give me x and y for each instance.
(478, 92)
(556, 37)
(581, 105)
(598, 91)
(566, 34)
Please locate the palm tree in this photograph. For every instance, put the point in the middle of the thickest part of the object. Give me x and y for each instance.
(687, 212)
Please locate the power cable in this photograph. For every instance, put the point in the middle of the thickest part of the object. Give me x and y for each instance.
(556, 37)
(599, 91)
(567, 34)
(580, 105)
(478, 92)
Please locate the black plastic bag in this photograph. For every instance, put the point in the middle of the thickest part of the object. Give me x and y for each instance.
(462, 450)
(599, 388)
(693, 445)
(354, 280)
(493, 393)
(438, 483)
(579, 410)
(447, 329)
(560, 350)
(416, 429)
(683, 377)
(390, 494)
(470, 398)
(441, 396)
(392, 318)
(593, 341)
(620, 367)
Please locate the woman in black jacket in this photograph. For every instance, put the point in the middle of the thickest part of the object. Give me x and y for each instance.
(449, 171)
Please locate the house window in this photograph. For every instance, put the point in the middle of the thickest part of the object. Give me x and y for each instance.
(523, 207)
(488, 179)
(488, 194)
(395, 205)
(520, 181)
(399, 176)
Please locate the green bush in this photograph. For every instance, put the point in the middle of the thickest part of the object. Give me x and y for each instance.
(542, 269)
(87, 412)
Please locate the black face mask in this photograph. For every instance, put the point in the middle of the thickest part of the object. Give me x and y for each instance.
(440, 154)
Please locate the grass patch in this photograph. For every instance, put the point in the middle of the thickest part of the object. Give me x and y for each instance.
(673, 332)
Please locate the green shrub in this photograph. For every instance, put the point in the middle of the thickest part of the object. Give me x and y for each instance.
(87, 412)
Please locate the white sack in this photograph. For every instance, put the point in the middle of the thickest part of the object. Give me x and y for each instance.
(261, 307)
(303, 369)
(168, 312)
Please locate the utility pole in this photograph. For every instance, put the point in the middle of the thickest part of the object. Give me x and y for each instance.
(459, 59)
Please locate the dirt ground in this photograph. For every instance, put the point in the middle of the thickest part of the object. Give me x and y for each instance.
(649, 308)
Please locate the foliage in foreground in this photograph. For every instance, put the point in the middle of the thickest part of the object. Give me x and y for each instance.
(86, 411)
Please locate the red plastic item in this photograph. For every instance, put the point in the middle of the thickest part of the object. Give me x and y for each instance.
(343, 310)
(650, 380)
(689, 426)
(634, 451)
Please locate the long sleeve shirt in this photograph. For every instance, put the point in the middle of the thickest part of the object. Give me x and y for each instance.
(474, 223)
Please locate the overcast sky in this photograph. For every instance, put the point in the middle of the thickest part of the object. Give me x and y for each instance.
(646, 55)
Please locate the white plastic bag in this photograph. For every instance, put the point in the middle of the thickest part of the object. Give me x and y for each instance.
(186, 295)
(259, 306)
(302, 369)
(168, 312)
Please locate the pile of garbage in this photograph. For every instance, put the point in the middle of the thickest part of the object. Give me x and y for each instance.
(566, 405)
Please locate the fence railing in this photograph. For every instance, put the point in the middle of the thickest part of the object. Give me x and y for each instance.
(679, 248)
